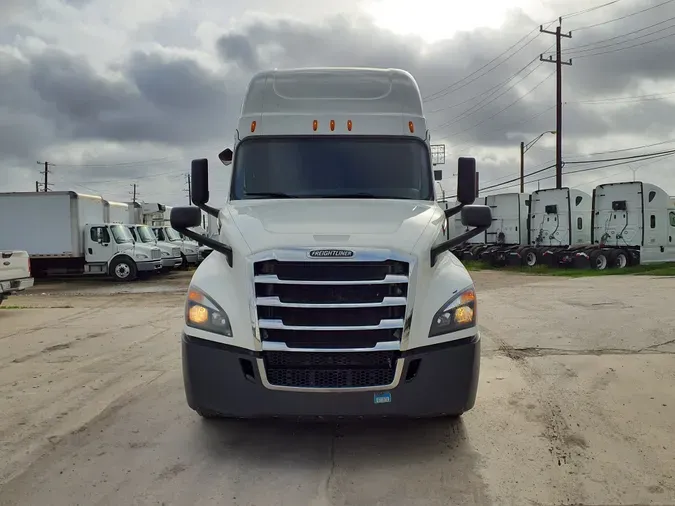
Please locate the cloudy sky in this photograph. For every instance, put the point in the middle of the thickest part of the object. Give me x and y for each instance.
(116, 93)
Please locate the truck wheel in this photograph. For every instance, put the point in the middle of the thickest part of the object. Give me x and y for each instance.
(184, 263)
(599, 260)
(529, 257)
(618, 258)
(123, 269)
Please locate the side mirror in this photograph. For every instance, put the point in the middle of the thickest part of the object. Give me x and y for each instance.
(476, 216)
(200, 182)
(226, 156)
(466, 180)
(185, 217)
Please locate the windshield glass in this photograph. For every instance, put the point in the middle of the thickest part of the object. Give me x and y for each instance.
(121, 234)
(171, 234)
(316, 167)
(145, 234)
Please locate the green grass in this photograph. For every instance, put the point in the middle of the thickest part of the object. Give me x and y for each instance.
(661, 269)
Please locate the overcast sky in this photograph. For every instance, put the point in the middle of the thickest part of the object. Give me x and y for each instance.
(116, 93)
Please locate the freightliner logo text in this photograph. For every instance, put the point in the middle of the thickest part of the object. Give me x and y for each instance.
(331, 253)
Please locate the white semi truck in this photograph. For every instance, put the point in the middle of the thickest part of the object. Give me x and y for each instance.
(331, 290)
(171, 257)
(67, 233)
(632, 223)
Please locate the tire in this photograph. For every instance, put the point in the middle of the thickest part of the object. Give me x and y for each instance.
(618, 259)
(599, 260)
(123, 269)
(184, 263)
(530, 257)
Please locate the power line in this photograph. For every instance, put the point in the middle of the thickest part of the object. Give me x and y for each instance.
(448, 89)
(591, 44)
(477, 107)
(495, 87)
(624, 48)
(626, 99)
(122, 164)
(590, 9)
(622, 17)
(507, 107)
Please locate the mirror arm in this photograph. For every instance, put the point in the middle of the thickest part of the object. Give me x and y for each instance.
(455, 241)
(209, 210)
(453, 210)
(211, 243)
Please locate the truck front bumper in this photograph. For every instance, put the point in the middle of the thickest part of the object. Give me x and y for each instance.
(434, 381)
(149, 265)
(171, 262)
(192, 258)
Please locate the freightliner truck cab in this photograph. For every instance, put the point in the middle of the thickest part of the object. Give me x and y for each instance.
(330, 291)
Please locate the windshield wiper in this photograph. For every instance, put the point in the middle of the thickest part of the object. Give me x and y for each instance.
(271, 195)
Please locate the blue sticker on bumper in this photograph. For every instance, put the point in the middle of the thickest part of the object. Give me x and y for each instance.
(382, 398)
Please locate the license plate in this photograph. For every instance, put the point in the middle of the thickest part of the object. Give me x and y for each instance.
(382, 398)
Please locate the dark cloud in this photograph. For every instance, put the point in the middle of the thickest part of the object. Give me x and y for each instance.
(53, 97)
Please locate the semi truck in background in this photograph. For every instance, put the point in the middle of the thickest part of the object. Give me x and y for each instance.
(156, 215)
(65, 232)
(171, 257)
(331, 290)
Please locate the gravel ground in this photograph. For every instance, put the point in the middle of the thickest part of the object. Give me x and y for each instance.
(576, 406)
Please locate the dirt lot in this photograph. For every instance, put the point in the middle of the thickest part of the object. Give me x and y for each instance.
(576, 406)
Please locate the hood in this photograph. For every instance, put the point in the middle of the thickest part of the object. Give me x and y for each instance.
(380, 223)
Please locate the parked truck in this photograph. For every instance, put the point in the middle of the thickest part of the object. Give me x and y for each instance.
(560, 224)
(67, 233)
(15, 274)
(190, 250)
(171, 257)
(633, 223)
(509, 230)
(331, 290)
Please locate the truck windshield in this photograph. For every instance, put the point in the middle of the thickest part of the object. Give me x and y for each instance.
(145, 234)
(332, 167)
(171, 234)
(121, 234)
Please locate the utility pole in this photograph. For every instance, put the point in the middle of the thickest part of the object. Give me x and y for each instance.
(134, 193)
(522, 167)
(46, 184)
(189, 189)
(559, 63)
(37, 186)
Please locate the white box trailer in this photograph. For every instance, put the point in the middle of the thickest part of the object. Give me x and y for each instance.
(135, 213)
(633, 223)
(66, 233)
(115, 212)
(559, 222)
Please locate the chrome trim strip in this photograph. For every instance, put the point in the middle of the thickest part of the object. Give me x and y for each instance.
(276, 302)
(397, 378)
(279, 325)
(274, 279)
(302, 255)
(381, 346)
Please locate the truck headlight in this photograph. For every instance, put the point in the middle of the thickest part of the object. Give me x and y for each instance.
(141, 256)
(456, 314)
(189, 251)
(201, 312)
(165, 254)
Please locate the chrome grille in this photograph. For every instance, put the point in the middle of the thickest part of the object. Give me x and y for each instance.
(331, 305)
(155, 253)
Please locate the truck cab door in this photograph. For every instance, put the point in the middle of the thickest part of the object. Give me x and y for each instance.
(99, 247)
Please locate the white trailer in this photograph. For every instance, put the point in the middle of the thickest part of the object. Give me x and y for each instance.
(115, 212)
(633, 223)
(135, 213)
(67, 233)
